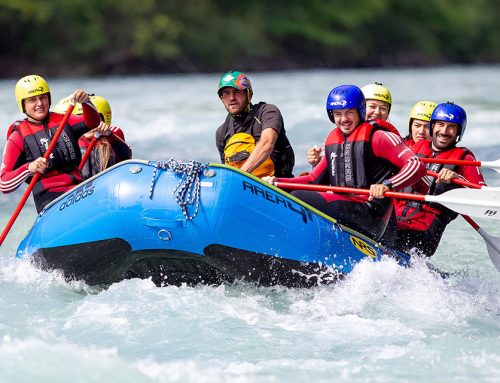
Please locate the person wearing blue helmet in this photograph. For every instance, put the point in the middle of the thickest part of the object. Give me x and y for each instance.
(359, 154)
(421, 224)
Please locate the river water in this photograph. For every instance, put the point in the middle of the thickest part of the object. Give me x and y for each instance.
(382, 324)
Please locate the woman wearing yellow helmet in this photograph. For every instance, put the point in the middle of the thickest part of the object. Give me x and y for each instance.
(378, 101)
(106, 151)
(419, 125)
(378, 105)
(28, 140)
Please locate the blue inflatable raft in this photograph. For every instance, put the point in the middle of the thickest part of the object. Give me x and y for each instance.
(192, 223)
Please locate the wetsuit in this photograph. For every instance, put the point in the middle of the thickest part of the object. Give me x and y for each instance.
(261, 116)
(420, 224)
(28, 141)
(106, 152)
(370, 155)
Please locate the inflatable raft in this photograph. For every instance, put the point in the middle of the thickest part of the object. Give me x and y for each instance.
(192, 223)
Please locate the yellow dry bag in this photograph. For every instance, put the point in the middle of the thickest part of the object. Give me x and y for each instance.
(238, 149)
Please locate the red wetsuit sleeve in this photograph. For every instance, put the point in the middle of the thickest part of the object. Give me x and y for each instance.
(91, 117)
(392, 148)
(318, 173)
(471, 173)
(117, 141)
(14, 169)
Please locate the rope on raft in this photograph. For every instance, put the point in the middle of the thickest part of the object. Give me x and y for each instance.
(187, 191)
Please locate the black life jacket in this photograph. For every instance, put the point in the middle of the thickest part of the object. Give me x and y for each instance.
(62, 171)
(351, 161)
(36, 139)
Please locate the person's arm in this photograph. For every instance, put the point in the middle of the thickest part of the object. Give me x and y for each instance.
(316, 176)
(262, 151)
(392, 148)
(117, 141)
(91, 116)
(465, 173)
(15, 169)
(90, 119)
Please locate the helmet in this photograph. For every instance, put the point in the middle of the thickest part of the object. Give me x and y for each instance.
(377, 91)
(63, 104)
(237, 80)
(30, 86)
(449, 112)
(422, 110)
(346, 97)
(102, 107)
(99, 102)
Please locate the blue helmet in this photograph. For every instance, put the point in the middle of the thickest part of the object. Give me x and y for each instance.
(449, 112)
(346, 97)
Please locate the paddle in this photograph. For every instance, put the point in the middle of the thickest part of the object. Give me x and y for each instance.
(37, 175)
(476, 202)
(492, 242)
(495, 165)
(88, 151)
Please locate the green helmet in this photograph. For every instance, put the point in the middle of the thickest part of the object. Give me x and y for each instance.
(235, 79)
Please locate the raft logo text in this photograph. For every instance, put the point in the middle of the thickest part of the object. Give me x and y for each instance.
(276, 199)
(365, 248)
(79, 194)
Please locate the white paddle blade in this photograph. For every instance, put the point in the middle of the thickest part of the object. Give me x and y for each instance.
(482, 203)
(493, 247)
(495, 165)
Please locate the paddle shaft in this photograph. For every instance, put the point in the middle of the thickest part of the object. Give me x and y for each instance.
(495, 165)
(482, 202)
(457, 181)
(87, 152)
(37, 175)
(348, 190)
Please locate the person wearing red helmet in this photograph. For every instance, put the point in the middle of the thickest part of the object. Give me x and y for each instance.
(359, 154)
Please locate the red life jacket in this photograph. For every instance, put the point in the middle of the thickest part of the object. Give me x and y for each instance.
(351, 161)
(62, 172)
(419, 216)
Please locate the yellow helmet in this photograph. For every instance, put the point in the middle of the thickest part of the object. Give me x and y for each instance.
(377, 91)
(99, 102)
(422, 110)
(63, 104)
(29, 86)
(102, 107)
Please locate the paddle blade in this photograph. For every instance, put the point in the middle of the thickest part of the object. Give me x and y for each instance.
(493, 247)
(482, 203)
(495, 165)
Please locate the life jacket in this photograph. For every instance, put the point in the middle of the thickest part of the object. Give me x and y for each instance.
(420, 216)
(102, 156)
(238, 149)
(351, 161)
(282, 155)
(62, 170)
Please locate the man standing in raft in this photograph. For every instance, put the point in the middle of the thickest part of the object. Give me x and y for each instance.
(359, 154)
(252, 137)
(28, 140)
